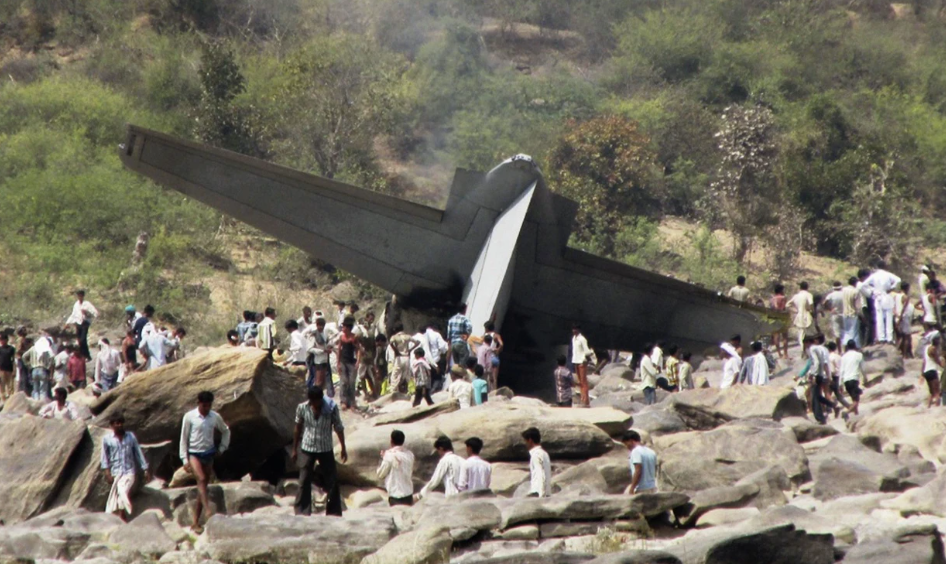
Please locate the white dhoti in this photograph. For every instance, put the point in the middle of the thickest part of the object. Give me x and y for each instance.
(851, 330)
(119, 497)
(883, 319)
(401, 373)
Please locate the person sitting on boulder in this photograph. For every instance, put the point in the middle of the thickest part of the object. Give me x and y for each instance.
(198, 448)
(447, 471)
(396, 469)
(643, 463)
(59, 408)
(459, 388)
(540, 465)
(121, 459)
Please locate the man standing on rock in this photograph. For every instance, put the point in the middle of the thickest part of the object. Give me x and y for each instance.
(881, 283)
(580, 352)
(739, 292)
(818, 377)
(475, 473)
(7, 359)
(540, 465)
(447, 471)
(643, 463)
(755, 368)
(121, 459)
(849, 312)
(320, 372)
(108, 361)
(349, 350)
(649, 373)
(457, 326)
(397, 469)
(852, 370)
(83, 313)
(266, 338)
(198, 448)
(834, 306)
(315, 420)
(803, 304)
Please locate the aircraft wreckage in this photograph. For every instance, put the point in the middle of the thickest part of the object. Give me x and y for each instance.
(500, 246)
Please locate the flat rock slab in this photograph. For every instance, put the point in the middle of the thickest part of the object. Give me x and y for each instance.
(783, 544)
(256, 398)
(708, 408)
(290, 539)
(418, 413)
(34, 454)
(430, 545)
(588, 508)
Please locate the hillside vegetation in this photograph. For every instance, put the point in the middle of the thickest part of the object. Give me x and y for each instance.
(815, 125)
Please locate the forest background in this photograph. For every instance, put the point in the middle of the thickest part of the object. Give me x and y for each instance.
(782, 139)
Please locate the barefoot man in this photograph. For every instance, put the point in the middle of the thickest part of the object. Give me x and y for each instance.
(198, 448)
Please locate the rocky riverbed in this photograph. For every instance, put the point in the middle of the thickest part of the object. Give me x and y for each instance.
(745, 476)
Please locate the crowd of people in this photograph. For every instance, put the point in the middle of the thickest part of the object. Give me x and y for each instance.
(40, 364)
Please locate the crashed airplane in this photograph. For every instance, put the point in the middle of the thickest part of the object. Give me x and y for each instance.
(500, 246)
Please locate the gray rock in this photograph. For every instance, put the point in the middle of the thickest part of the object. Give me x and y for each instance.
(588, 508)
(586, 476)
(801, 519)
(50, 542)
(772, 482)
(279, 539)
(522, 532)
(246, 497)
(628, 402)
(619, 370)
(806, 430)
(660, 422)
(478, 514)
(719, 497)
(925, 547)
(144, 535)
(34, 453)
(846, 467)
(638, 557)
(719, 517)
(929, 499)
(777, 545)
(711, 407)
(430, 545)
(418, 413)
(189, 557)
(699, 460)
(507, 476)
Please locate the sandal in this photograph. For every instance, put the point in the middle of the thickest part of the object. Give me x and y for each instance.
(197, 529)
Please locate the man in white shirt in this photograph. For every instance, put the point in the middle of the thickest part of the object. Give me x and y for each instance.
(266, 337)
(881, 283)
(475, 473)
(83, 313)
(107, 363)
(819, 377)
(60, 366)
(834, 306)
(755, 368)
(447, 471)
(198, 448)
(297, 345)
(459, 388)
(803, 304)
(643, 464)
(852, 371)
(732, 366)
(540, 465)
(319, 350)
(649, 377)
(739, 292)
(59, 408)
(849, 311)
(155, 349)
(435, 347)
(397, 469)
(580, 352)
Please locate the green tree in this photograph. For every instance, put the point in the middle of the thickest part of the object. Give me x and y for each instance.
(606, 165)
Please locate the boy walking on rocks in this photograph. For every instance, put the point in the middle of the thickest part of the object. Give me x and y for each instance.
(198, 448)
(540, 465)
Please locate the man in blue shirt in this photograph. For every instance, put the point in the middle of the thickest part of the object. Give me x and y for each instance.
(121, 460)
(643, 463)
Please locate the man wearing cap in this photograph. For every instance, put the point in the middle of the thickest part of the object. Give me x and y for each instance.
(83, 313)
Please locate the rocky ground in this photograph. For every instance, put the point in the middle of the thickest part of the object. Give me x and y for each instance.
(745, 477)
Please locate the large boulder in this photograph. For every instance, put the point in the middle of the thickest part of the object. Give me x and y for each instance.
(918, 427)
(807, 430)
(846, 467)
(929, 499)
(34, 456)
(145, 536)
(588, 508)
(628, 402)
(21, 404)
(698, 460)
(659, 422)
(280, 539)
(566, 434)
(711, 407)
(429, 545)
(783, 544)
(254, 397)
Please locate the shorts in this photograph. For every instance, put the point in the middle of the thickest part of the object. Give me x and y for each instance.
(853, 389)
(206, 458)
(494, 361)
(931, 375)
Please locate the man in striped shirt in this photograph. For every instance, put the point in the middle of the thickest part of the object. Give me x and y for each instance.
(315, 420)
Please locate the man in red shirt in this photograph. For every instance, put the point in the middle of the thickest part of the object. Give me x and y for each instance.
(76, 369)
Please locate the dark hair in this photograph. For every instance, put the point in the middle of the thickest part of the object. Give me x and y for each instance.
(380, 338)
(181, 331)
(306, 309)
(269, 311)
(741, 280)
(672, 349)
(630, 436)
(116, 418)
(832, 346)
(863, 273)
(685, 355)
(737, 338)
(205, 397)
(319, 321)
(780, 288)
(419, 352)
(852, 280)
(315, 393)
(479, 371)
(61, 392)
(149, 309)
(803, 285)
(532, 434)
(851, 345)
(488, 339)
(232, 335)
(292, 325)
(489, 326)
(904, 286)
(561, 360)
(4, 337)
(808, 339)
(757, 347)
(443, 442)
(461, 308)
(397, 438)
(349, 321)
(470, 362)
(248, 315)
(819, 338)
(475, 444)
